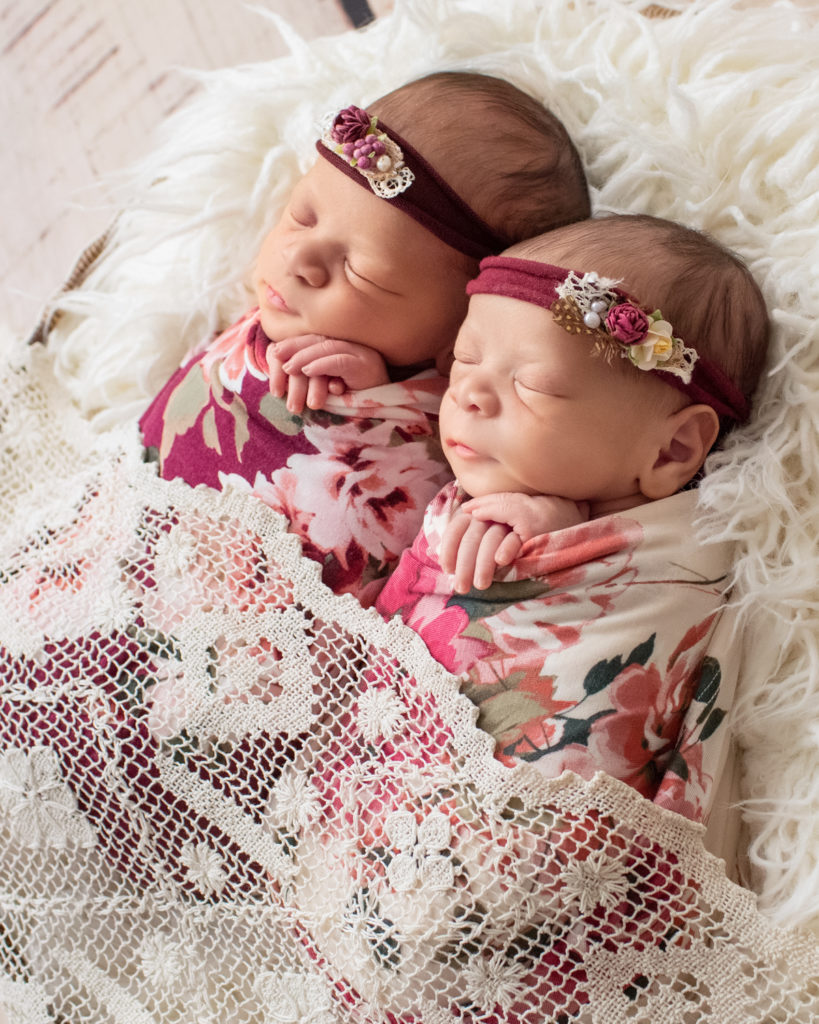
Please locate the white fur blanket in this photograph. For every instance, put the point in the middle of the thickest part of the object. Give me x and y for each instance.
(708, 117)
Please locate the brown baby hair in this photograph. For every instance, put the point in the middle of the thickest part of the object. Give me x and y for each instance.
(505, 154)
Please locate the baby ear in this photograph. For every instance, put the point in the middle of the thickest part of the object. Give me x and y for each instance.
(685, 440)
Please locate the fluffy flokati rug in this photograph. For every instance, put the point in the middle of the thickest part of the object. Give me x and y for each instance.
(707, 116)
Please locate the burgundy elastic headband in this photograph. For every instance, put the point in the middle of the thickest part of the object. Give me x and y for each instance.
(585, 303)
(378, 158)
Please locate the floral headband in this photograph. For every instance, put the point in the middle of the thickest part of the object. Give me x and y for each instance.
(586, 303)
(374, 156)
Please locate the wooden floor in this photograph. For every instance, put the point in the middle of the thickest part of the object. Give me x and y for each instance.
(82, 85)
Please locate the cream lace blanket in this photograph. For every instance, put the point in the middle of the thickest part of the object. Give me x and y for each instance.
(318, 833)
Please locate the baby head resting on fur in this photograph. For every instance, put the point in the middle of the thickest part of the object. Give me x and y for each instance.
(596, 368)
(364, 273)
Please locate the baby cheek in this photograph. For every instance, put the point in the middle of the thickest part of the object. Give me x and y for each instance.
(258, 269)
(447, 405)
(272, 243)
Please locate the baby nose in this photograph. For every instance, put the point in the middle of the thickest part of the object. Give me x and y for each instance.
(474, 392)
(303, 260)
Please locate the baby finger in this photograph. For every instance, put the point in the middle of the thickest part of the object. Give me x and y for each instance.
(297, 385)
(467, 558)
(486, 561)
(451, 541)
(317, 390)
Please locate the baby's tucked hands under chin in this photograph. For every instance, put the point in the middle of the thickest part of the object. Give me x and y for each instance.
(528, 515)
(309, 367)
(488, 532)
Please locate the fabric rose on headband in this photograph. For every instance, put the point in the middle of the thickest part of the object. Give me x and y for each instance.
(627, 323)
(361, 142)
(350, 124)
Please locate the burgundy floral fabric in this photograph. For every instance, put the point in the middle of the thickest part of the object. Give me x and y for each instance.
(352, 479)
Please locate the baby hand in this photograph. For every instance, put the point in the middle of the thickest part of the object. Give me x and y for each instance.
(469, 549)
(319, 366)
(294, 386)
(526, 515)
(489, 532)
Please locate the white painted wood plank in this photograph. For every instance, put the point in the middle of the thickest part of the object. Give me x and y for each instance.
(83, 84)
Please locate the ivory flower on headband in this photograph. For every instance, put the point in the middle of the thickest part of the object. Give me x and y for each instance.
(590, 304)
(355, 136)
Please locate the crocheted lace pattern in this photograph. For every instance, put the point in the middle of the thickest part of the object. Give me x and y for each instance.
(228, 795)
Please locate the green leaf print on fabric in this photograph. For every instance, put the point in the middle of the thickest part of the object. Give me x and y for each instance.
(210, 434)
(709, 684)
(237, 410)
(707, 693)
(186, 402)
(677, 764)
(511, 706)
(713, 723)
(605, 672)
(573, 732)
(275, 411)
(483, 604)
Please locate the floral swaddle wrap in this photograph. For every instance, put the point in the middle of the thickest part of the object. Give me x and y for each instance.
(352, 479)
(588, 651)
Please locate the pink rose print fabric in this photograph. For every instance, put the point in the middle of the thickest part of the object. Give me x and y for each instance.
(352, 479)
(591, 651)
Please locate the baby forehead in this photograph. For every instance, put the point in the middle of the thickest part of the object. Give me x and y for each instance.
(373, 225)
(505, 322)
(510, 331)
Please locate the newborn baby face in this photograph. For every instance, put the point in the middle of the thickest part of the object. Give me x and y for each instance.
(531, 409)
(343, 263)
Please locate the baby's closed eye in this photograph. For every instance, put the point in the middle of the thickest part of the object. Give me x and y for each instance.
(542, 384)
(363, 278)
(302, 215)
(462, 355)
